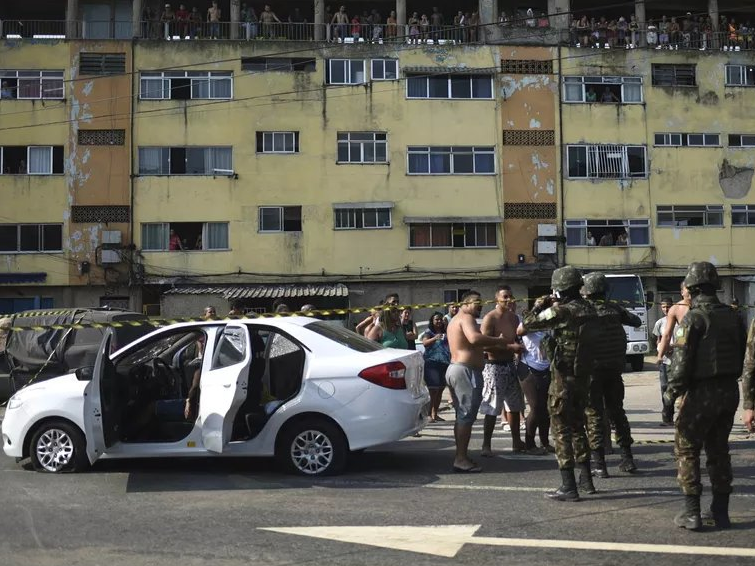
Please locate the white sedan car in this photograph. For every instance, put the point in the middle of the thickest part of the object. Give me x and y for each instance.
(303, 390)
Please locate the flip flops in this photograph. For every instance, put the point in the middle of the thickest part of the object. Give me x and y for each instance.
(475, 469)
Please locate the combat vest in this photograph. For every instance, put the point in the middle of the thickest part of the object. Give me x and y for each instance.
(720, 351)
(610, 346)
(574, 343)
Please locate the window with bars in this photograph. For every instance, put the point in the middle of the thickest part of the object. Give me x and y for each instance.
(452, 86)
(362, 147)
(362, 218)
(743, 214)
(277, 142)
(100, 214)
(186, 85)
(598, 232)
(673, 75)
(31, 85)
(191, 160)
(625, 90)
(526, 67)
(280, 219)
(740, 75)
(690, 216)
(193, 236)
(453, 235)
(687, 140)
(102, 63)
(102, 137)
(31, 238)
(451, 160)
(606, 161)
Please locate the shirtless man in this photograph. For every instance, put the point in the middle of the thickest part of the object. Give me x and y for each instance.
(500, 379)
(675, 315)
(464, 375)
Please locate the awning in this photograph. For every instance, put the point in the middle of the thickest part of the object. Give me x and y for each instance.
(15, 278)
(265, 291)
(449, 70)
(363, 205)
(448, 219)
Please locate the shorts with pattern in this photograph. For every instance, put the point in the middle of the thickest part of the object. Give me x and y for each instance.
(501, 385)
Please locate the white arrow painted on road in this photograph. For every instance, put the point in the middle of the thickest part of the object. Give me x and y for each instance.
(447, 540)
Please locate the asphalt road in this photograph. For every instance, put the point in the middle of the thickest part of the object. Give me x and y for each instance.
(211, 512)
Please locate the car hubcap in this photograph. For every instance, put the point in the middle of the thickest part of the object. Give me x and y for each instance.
(54, 450)
(312, 452)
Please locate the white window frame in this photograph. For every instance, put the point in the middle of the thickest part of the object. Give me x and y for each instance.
(281, 219)
(595, 152)
(450, 226)
(707, 211)
(742, 143)
(628, 224)
(213, 173)
(355, 218)
(40, 228)
(269, 139)
(430, 151)
(382, 65)
(345, 139)
(166, 241)
(449, 90)
(737, 75)
(748, 210)
(40, 75)
(348, 71)
(28, 160)
(674, 139)
(166, 87)
(601, 81)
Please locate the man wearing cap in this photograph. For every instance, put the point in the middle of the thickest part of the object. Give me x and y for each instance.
(707, 361)
(166, 19)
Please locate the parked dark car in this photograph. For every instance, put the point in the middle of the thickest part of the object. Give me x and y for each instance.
(35, 355)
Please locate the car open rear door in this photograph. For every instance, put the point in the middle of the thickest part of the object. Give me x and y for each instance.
(225, 378)
(100, 422)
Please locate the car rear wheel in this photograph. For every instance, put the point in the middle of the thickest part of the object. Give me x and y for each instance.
(58, 446)
(313, 447)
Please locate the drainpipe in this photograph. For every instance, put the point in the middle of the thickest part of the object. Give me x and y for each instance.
(561, 158)
(132, 248)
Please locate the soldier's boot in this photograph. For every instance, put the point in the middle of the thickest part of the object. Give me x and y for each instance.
(718, 511)
(627, 464)
(689, 517)
(568, 490)
(599, 459)
(585, 479)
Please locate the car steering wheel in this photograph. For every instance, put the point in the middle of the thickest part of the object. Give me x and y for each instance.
(165, 375)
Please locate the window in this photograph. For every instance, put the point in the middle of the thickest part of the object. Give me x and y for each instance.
(453, 235)
(606, 161)
(195, 236)
(280, 64)
(277, 142)
(627, 90)
(689, 140)
(32, 85)
(384, 69)
(348, 218)
(190, 160)
(454, 160)
(453, 295)
(362, 147)
(345, 72)
(686, 215)
(740, 75)
(608, 232)
(280, 219)
(186, 85)
(31, 160)
(741, 140)
(30, 238)
(743, 214)
(102, 63)
(673, 75)
(450, 86)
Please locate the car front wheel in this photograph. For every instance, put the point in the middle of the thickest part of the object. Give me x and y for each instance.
(58, 446)
(312, 448)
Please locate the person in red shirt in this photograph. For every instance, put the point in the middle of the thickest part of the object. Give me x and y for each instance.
(174, 243)
(182, 17)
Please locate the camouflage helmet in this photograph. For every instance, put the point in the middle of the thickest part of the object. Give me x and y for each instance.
(702, 273)
(566, 278)
(595, 284)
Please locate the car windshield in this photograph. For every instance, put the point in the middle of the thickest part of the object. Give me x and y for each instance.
(344, 337)
(626, 290)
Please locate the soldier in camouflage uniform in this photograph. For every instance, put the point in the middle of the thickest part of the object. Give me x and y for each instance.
(706, 363)
(606, 384)
(748, 381)
(570, 370)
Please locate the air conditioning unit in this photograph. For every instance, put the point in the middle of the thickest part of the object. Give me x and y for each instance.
(546, 248)
(110, 256)
(111, 237)
(545, 230)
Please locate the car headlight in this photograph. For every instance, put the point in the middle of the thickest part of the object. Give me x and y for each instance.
(15, 402)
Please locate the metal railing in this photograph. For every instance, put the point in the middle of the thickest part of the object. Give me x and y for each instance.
(654, 39)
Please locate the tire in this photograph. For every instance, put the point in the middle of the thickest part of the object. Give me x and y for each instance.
(58, 446)
(637, 362)
(326, 442)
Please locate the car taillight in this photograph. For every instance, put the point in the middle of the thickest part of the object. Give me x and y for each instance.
(390, 375)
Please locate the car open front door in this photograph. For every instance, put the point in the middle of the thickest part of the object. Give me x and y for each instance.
(100, 423)
(225, 377)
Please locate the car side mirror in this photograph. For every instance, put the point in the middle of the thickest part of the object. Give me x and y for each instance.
(85, 373)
